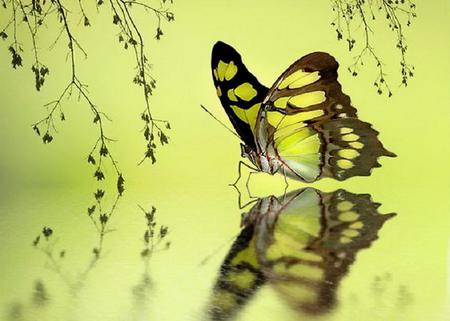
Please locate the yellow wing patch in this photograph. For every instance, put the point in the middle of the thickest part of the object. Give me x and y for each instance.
(345, 130)
(350, 137)
(245, 91)
(348, 153)
(297, 292)
(344, 206)
(287, 130)
(278, 251)
(300, 150)
(231, 95)
(247, 255)
(348, 216)
(357, 145)
(243, 279)
(345, 163)
(350, 232)
(281, 102)
(357, 225)
(279, 120)
(345, 240)
(221, 69)
(225, 71)
(231, 71)
(247, 115)
(308, 99)
(299, 79)
(302, 100)
(304, 141)
(298, 270)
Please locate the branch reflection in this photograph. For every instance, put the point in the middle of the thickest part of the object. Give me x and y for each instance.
(46, 243)
(155, 240)
(74, 279)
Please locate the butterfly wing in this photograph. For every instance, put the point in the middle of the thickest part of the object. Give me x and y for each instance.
(310, 126)
(302, 244)
(239, 278)
(239, 91)
(309, 244)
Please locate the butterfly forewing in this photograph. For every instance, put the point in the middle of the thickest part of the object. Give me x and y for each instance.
(239, 278)
(303, 110)
(310, 84)
(239, 91)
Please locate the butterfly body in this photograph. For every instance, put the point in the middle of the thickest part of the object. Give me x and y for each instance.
(304, 126)
(263, 161)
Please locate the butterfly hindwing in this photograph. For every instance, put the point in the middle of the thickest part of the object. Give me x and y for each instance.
(351, 148)
(239, 91)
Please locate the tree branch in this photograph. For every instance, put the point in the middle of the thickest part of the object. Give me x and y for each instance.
(35, 13)
(363, 11)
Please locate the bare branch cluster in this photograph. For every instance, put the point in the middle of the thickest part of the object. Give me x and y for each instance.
(130, 35)
(353, 15)
(35, 14)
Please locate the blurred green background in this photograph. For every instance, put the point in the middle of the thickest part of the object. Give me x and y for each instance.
(51, 185)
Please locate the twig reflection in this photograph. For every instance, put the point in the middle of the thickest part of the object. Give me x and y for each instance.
(46, 243)
(155, 240)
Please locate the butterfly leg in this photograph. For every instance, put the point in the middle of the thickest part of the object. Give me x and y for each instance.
(286, 183)
(247, 183)
(240, 199)
(239, 171)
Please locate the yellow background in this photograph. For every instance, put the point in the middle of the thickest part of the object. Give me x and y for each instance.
(51, 185)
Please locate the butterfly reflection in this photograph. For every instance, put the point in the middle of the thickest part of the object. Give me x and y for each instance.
(301, 244)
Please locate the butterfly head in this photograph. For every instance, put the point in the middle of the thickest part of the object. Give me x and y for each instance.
(248, 152)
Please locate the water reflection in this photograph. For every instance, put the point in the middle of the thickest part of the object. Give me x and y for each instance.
(75, 279)
(40, 294)
(302, 244)
(15, 312)
(154, 238)
(18, 311)
(45, 242)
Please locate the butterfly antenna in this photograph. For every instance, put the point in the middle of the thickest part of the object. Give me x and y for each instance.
(230, 130)
(217, 250)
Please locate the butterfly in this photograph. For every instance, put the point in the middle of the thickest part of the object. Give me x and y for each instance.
(304, 126)
(301, 244)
